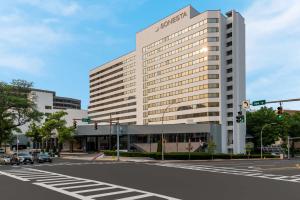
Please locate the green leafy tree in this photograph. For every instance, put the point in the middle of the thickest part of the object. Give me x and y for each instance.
(249, 147)
(256, 120)
(16, 108)
(211, 148)
(55, 126)
(35, 133)
(64, 134)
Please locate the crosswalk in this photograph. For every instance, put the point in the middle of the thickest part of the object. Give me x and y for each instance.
(80, 188)
(231, 170)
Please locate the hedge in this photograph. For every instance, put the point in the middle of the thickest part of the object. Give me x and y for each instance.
(185, 156)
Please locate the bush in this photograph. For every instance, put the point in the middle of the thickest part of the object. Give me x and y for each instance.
(185, 155)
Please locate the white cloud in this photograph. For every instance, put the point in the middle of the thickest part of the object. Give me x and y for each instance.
(24, 39)
(58, 7)
(273, 53)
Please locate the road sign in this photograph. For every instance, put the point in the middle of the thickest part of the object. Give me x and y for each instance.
(259, 103)
(246, 104)
(86, 120)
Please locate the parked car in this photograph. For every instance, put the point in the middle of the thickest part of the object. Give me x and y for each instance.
(44, 157)
(5, 159)
(25, 158)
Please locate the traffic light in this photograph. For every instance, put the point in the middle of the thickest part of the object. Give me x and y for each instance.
(95, 125)
(74, 124)
(279, 110)
(279, 113)
(240, 118)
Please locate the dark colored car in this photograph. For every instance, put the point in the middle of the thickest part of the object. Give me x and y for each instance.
(44, 157)
(25, 158)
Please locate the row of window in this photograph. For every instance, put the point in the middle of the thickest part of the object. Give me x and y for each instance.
(176, 76)
(106, 69)
(181, 57)
(113, 107)
(182, 108)
(112, 102)
(172, 85)
(106, 75)
(114, 89)
(106, 80)
(113, 84)
(106, 86)
(186, 116)
(117, 119)
(180, 49)
(178, 33)
(175, 68)
(115, 113)
(107, 97)
(175, 43)
(184, 91)
(180, 100)
(181, 74)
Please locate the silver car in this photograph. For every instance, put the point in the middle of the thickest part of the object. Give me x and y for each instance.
(5, 159)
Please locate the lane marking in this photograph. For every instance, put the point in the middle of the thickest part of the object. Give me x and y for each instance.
(68, 182)
(233, 171)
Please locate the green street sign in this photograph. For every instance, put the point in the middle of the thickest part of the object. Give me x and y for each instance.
(259, 103)
(88, 120)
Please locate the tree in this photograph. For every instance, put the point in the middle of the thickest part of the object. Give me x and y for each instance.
(35, 133)
(211, 148)
(16, 108)
(55, 125)
(256, 120)
(249, 148)
(64, 134)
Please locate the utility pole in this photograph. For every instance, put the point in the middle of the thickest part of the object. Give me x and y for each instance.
(288, 144)
(109, 138)
(118, 141)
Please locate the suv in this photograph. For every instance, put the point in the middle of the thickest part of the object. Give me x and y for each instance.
(5, 159)
(25, 158)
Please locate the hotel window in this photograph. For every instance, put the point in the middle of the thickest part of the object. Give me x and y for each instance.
(228, 44)
(228, 53)
(229, 62)
(229, 114)
(229, 70)
(229, 96)
(229, 79)
(229, 88)
(230, 105)
(228, 35)
(229, 123)
(48, 107)
(228, 26)
(212, 20)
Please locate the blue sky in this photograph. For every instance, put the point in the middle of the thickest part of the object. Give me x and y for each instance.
(55, 43)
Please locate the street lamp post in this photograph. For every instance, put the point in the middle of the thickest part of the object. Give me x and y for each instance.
(261, 141)
(162, 133)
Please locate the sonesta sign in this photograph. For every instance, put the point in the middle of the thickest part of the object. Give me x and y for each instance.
(171, 21)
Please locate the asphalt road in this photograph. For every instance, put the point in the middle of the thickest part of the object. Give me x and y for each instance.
(195, 180)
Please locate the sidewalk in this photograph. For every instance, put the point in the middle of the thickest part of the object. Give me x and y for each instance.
(101, 157)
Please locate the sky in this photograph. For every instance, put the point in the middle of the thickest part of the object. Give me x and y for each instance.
(55, 43)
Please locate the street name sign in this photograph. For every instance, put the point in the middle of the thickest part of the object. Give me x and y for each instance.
(259, 103)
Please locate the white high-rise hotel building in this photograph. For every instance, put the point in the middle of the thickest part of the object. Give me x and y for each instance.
(187, 68)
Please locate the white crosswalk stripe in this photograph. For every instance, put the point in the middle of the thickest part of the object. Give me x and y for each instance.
(80, 188)
(234, 171)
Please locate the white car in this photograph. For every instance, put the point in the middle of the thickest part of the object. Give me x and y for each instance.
(5, 159)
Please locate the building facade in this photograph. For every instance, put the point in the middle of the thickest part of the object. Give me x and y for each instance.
(46, 103)
(187, 68)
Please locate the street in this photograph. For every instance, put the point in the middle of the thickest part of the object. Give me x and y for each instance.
(66, 179)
